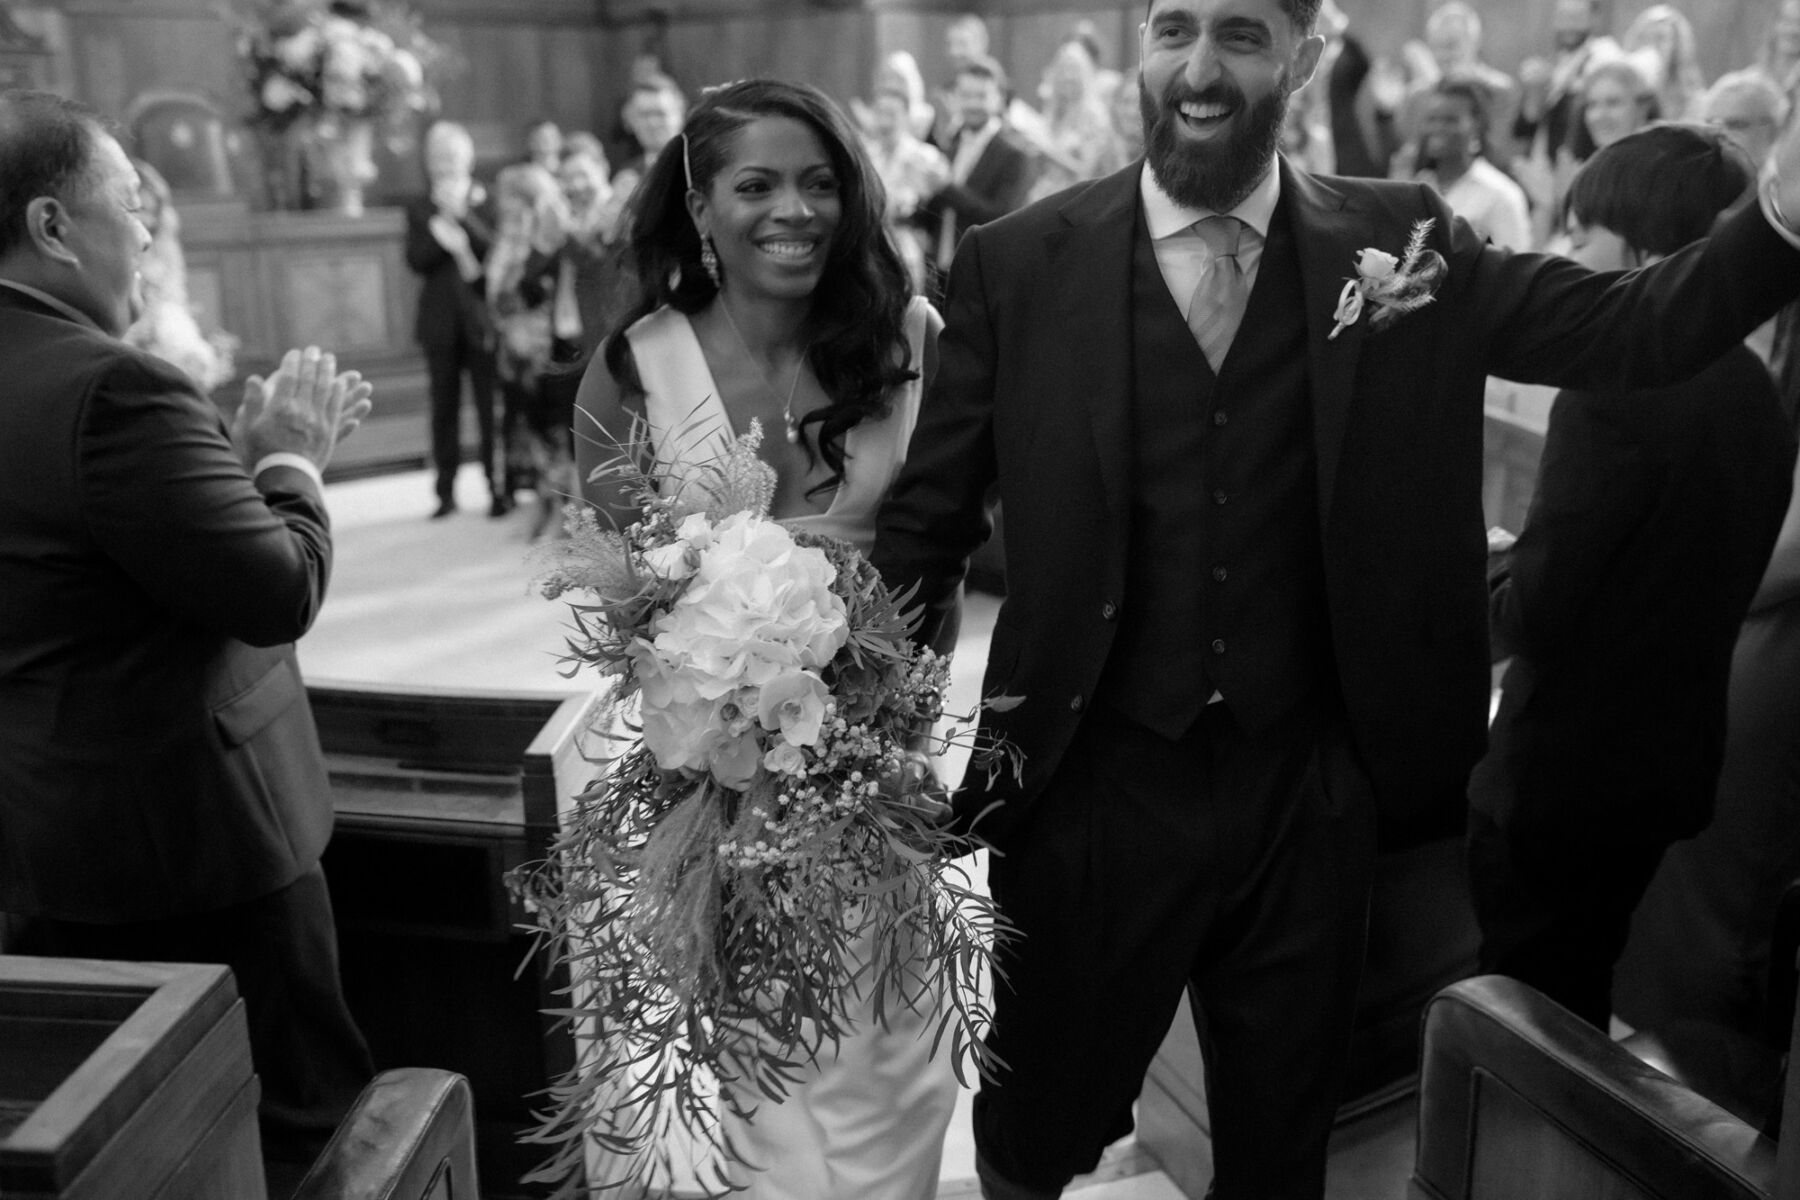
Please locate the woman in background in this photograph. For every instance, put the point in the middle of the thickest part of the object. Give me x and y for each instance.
(167, 327)
(766, 292)
(521, 287)
(1661, 43)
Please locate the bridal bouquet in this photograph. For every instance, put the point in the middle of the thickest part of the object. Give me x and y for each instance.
(761, 859)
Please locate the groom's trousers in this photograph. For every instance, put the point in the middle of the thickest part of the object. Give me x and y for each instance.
(1234, 865)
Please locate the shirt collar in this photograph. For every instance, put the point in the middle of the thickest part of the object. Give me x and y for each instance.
(1165, 216)
(45, 298)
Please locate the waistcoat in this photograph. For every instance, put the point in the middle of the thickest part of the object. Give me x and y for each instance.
(1224, 587)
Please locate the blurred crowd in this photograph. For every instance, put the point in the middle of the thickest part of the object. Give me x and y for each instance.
(523, 260)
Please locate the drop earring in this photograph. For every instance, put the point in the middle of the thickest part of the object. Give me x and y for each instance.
(709, 258)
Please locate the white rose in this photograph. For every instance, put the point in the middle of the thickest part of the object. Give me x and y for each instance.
(296, 53)
(280, 93)
(794, 704)
(785, 759)
(406, 70)
(1376, 264)
(695, 530)
(669, 562)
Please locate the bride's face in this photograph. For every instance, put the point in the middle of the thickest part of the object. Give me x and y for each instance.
(772, 210)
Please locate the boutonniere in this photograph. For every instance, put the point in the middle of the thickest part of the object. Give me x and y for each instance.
(1393, 286)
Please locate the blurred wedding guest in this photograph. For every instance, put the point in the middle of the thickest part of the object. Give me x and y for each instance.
(521, 284)
(910, 170)
(1550, 99)
(1661, 42)
(1107, 80)
(1453, 38)
(1125, 116)
(1451, 157)
(163, 796)
(1620, 602)
(830, 351)
(1077, 128)
(899, 72)
(1616, 99)
(1749, 108)
(653, 114)
(448, 234)
(167, 327)
(583, 254)
(966, 41)
(991, 167)
(544, 144)
(1362, 131)
(583, 142)
(1779, 58)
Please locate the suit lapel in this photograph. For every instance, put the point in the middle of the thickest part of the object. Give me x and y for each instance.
(1328, 232)
(1090, 258)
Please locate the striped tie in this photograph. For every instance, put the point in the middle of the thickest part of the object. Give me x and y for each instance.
(1217, 307)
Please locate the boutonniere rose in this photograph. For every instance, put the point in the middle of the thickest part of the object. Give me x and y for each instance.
(1393, 286)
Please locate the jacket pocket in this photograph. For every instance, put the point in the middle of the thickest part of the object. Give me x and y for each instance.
(250, 711)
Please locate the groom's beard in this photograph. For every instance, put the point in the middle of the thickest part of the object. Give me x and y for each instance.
(1216, 178)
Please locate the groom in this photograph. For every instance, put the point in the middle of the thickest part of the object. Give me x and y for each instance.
(1244, 548)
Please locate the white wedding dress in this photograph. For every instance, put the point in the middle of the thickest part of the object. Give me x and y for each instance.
(866, 1120)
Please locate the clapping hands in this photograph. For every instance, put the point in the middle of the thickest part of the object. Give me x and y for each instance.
(306, 407)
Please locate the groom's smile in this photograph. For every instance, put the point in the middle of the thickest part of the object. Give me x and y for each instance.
(1213, 88)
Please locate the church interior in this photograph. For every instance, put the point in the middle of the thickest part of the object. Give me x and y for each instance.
(455, 738)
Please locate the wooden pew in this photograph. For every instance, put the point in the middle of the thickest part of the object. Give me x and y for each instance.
(1518, 1098)
(122, 1079)
(439, 794)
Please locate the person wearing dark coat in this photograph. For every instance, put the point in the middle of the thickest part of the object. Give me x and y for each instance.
(448, 234)
(1620, 602)
(163, 796)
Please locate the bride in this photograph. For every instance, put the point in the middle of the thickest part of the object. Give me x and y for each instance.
(766, 291)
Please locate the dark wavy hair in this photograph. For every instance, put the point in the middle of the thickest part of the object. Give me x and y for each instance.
(859, 352)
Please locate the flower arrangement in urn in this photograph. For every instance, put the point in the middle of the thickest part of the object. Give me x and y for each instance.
(338, 72)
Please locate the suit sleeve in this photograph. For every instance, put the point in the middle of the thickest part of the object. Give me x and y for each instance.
(936, 514)
(1540, 318)
(1008, 188)
(165, 496)
(1595, 490)
(423, 253)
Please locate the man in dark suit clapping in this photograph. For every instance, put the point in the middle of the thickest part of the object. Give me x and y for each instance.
(991, 170)
(447, 238)
(162, 792)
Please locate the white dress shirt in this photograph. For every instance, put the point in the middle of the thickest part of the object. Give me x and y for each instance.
(1182, 255)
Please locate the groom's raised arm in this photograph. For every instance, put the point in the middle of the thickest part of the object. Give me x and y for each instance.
(1543, 319)
(936, 514)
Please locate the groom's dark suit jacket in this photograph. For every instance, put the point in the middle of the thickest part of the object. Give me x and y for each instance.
(157, 754)
(1033, 387)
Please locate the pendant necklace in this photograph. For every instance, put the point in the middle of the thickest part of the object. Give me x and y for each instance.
(791, 426)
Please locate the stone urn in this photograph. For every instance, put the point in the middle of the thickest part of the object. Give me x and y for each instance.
(340, 163)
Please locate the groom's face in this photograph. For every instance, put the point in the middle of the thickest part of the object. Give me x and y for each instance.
(1214, 86)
